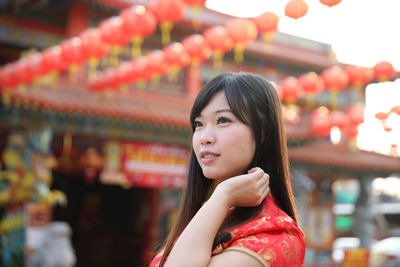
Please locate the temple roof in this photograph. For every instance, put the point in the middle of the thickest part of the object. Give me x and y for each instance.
(341, 159)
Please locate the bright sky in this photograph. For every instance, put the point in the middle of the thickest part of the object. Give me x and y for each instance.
(361, 32)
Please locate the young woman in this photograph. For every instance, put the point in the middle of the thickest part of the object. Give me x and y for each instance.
(238, 207)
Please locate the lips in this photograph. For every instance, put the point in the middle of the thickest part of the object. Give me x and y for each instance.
(207, 156)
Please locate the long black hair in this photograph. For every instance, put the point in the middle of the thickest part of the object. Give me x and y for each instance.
(255, 102)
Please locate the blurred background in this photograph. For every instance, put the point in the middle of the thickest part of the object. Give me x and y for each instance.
(95, 133)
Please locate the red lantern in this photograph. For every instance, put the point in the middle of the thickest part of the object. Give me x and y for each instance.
(114, 34)
(320, 122)
(197, 48)
(381, 116)
(335, 80)
(124, 75)
(312, 84)
(72, 52)
(351, 132)
(139, 71)
(291, 89)
(156, 64)
(384, 71)
(139, 22)
(296, 9)
(53, 62)
(396, 109)
(219, 40)
(110, 82)
(196, 6)
(339, 119)
(167, 12)
(176, 57)
(355, 113)
(94, 48)
(267, 24)
(359, 76)
(9, 78)
(241, 31)
(23, 74)
(330, 3)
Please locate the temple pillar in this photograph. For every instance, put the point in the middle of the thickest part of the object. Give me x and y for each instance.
(78, 19)
(363, 217)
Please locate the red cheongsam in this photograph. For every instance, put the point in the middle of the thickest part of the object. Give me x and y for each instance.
(273, 238)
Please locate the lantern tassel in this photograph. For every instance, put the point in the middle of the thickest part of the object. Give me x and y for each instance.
(196, 16)
(165, 32)
(73, 73)
(93, 63)
(173, 73)
(238, 53)
(136, 46)
(334, 98)
(218, 57)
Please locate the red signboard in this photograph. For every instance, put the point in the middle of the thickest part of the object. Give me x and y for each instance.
(154, 165)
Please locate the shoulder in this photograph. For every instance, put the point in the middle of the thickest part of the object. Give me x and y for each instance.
(274, 248)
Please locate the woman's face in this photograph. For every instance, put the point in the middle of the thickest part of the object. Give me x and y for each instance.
(224, 146)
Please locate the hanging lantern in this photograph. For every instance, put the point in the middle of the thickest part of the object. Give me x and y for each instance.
(355, 113)
(312, 84)
(54, 62)
(241, 31)
(197, 48)
(219, 40)
(94, 48)
(296, 9)
(96, 85)
(335, 79)
(320, 122)
(124, 76)
(114, 34)
(267, 25)
(382, 116)
(167, 12)
(358, 77)
(8, 81)
(330, 3)
(383, 71)
(395, 109)
(34, 68)
(351, 131)
(291, 89)
(176, 57)
(139, 71)
(72, 53)
(109, 82)
(195, 6)
(139, 22)
(23, 74)
(339, 119)
(156, 65)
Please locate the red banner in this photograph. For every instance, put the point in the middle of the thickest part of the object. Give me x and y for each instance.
(154, 165)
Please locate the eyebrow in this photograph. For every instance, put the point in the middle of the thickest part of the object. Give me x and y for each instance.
(219, 111)
(224, 110)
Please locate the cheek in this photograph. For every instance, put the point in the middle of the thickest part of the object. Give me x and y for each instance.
(195, 143)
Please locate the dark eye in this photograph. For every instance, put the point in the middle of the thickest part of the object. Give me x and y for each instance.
(197, 124)
(223, 120)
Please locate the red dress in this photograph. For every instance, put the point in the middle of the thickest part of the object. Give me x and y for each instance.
(273, 238)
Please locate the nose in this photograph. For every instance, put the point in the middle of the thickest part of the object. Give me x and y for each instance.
(207, 137)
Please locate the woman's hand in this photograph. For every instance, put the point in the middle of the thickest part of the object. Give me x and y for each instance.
(244, 190)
